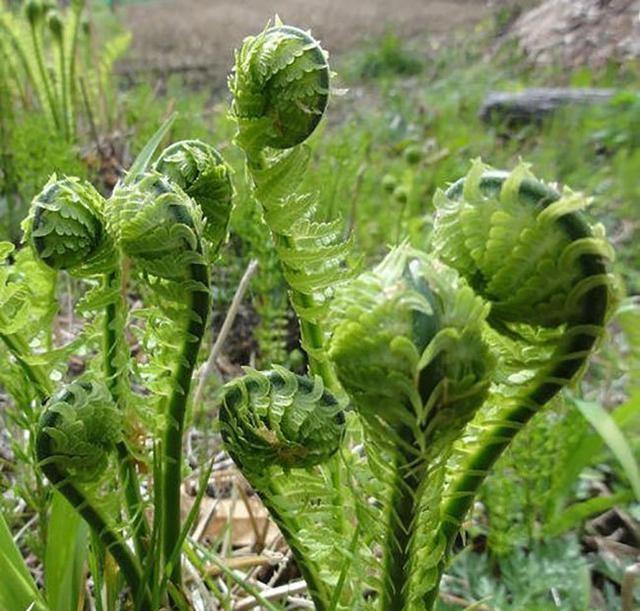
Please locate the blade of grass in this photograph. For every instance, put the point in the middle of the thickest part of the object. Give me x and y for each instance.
(17, 588)
(604, 424)
(65, 556)
(142, 160)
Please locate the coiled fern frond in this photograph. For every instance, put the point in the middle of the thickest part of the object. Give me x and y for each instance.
(157, 225)
(284, 431)
(66, 227)
(279, 418)
(280, 87)
(529, 251)
(201, 172)
(160, 228)
(408, 348)
(78, 430)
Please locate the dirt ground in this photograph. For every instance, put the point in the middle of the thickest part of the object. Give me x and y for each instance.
(194, 36)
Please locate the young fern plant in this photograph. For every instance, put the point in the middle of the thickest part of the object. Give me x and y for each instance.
(444, 357)
(170, 226)
(280, 86)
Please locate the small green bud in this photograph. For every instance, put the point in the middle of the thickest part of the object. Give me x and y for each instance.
(389, 183)
(56, 26)
(34, 10)
(413, 154)
(401, 194)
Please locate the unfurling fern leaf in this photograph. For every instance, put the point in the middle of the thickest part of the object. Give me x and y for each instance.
(279, 418)
(78, 429)
(280, 85)
(66, 227)
(160, 228)
(202, 173)
(408, 348)
(528, 250)
(281, 429)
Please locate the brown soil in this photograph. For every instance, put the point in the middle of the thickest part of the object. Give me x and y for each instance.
(194, 36)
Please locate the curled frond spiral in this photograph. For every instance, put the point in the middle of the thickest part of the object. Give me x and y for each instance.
(201, 172)
(280, 86)
(160, 228)
(284, 431)
(408, 347)
(157, 225)
(407, 343)
(524, 246)
(529, 251)
(79, 427)
(66, 228)
(279, 418)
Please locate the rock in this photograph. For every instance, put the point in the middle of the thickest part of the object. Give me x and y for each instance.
(532, 105)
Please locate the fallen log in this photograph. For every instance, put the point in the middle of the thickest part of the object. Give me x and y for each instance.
(533, 105)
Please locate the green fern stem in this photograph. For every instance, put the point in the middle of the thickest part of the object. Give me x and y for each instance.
(314, 338)
(289, 528)
(199, 307)
(568, 359)
(64, 90)
(113, 345)
(403, 510)
(77, 8)
(111, 541)
(312, 334)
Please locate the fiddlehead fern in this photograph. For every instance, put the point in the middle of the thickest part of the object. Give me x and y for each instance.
(409, 351)
(78, 428)
(280, 88)
(66, 228)
(275, 421)
(280, 85)
(528, 250)
(159, 227)
(202, 173)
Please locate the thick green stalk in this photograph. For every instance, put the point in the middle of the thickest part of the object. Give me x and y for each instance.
(109, 539)
(175, 414)
(286, 522)
(113, 347)
(402, 511)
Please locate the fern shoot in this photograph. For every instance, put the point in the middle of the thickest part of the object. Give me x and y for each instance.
(280, 86)
(275, 422)
(78, 428)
